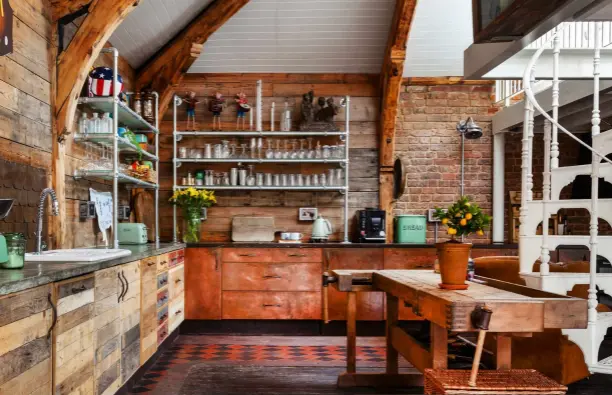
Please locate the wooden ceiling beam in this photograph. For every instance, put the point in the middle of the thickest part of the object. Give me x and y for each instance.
(62, 8)
(165, 70)
(391, 79)
(70, 72)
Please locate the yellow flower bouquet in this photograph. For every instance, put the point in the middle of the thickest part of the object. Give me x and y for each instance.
(192, 201)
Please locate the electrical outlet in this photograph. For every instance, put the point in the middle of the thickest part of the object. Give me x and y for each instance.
(308, 214)
(87, 210)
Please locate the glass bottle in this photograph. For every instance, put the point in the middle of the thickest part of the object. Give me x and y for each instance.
(226, 149)
(294, 153)
(84, 124)
(106, 124)
(318, 151)
(270, 150)
(94, 123)
(250, 181)
(311, 151)
(303, 153)
(278, 154)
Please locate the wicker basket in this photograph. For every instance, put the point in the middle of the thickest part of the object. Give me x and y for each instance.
(146, 174)
(515, 381)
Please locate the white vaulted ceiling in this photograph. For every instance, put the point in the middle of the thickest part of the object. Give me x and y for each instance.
(312, 36)
(305, 36)
(151, 25)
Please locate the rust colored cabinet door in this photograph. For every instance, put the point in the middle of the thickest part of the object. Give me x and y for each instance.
(203, 284)
(370, 305)
(409, 259)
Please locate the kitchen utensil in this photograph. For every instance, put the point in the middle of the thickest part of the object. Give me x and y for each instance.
(208, 151)
(129, 233)
(480, 317)
(242, 177)
(253, 229)
(321, 229)
(296, 236)
(234, 176)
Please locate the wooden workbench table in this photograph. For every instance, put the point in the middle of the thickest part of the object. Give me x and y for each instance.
(517, 311)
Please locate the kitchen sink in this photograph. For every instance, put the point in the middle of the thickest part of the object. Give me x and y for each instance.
(85, 255)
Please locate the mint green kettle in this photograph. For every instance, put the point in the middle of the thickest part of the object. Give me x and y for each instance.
(5, 209)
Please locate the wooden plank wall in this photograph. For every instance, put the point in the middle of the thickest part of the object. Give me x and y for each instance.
(279, 88)
(25, 119)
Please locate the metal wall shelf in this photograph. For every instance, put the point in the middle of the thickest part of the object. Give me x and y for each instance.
(121, 178)
(250, 160)
(106, 140)
(267, 188)
(252, 133)
(127, 116)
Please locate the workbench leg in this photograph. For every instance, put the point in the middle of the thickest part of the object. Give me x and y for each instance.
(503, 354)
(351, 333)
(392, 318)
(439, 346)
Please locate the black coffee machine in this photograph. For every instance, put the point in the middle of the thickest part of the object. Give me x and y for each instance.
(371, 225)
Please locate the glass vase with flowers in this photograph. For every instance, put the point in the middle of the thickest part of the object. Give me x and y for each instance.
(192, 201)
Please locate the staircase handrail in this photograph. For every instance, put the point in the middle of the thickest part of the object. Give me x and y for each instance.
(532, 99)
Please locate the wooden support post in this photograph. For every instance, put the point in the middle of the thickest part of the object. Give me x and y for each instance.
(351, 332)
(439, 347)
(503, 354)
(392, 318)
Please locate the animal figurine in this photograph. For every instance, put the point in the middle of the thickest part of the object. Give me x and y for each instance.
(215, 105)
(191, 101)
(243, 107)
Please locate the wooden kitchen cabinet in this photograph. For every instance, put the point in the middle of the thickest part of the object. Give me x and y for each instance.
(370, 305)
(148, 308)
(272, 305)
(176, 286)
(203, 284)
(129, 310)
(73, 336)
(271, 276)
(107, 331)
(25, 350)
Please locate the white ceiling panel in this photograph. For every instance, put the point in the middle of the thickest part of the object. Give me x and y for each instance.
(440, 32)
(151, 25)
(301, 36)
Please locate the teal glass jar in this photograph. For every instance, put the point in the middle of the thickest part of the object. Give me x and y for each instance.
(16, 247)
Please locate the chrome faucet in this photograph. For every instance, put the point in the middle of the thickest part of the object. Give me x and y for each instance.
(41, 211)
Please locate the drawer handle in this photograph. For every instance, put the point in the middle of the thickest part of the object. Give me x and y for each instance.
(271, 277)
(271, 305)
(178, 312)
(298, 255)
(178, 280)
(150, 263)
(82, 288)
(248, 255)
(163, 263)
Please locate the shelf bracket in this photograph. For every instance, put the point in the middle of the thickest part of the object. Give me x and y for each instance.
(178, 137)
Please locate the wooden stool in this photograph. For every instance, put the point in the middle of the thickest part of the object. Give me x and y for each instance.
(516, 381)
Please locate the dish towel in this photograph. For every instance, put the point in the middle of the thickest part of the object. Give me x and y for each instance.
(104, 210)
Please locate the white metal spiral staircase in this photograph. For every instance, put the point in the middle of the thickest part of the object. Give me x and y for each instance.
(534, 212)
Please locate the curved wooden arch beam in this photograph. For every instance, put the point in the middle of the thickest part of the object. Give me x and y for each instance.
(390, 86)
(71, 69)
(165, 70)
(61, 8)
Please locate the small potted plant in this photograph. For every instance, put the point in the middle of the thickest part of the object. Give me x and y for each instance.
(192, 202)
(462, 219)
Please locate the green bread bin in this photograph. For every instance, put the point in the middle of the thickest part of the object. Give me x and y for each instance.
(410, 229)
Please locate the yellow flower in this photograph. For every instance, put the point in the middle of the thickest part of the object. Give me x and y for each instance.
(452, 231)
(444, 221)
(463, 222)
(468, 216)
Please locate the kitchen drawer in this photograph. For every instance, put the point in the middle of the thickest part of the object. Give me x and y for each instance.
(272, 305)
(261, 255)
(283, 255)
(162, 280)
(162, 315)
(172, 259)
(148, 270)
(162, 333)
(180, 255)
(148, 312)
(148, 346)
(177, 313)
(176, 281)
(162, 298)
(271, 276)
(163, 261)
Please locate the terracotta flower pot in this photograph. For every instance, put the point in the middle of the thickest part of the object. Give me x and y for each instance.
(453, 258)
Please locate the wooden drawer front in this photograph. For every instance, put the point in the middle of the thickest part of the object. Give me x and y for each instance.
(272, 305)
(148, 346)
(162, 298)
(163, 262)
(261, 255)
(176, 281)
(130, 353)
(148, 314)
(107, 327)
(162, 315)
(180, 256)
(283, 255)
(74, 336)
(177, 313)
(25, 351)
(271, 276)
(162, 280)
(162, 333)
(172, 259)
(148, 269)
(409, 258)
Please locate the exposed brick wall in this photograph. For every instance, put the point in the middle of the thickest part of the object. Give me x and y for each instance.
(429, 145)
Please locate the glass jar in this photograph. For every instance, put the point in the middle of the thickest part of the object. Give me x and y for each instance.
(192, 221)
(16, 246)
(148, 107)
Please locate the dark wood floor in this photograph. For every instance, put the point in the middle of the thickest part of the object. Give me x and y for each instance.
(240, 365)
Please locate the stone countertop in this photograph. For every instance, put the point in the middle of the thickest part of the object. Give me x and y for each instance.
(335, 245)
(35, 274)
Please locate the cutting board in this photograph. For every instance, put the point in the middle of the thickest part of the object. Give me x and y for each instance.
(144, 209)
(253, 229)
